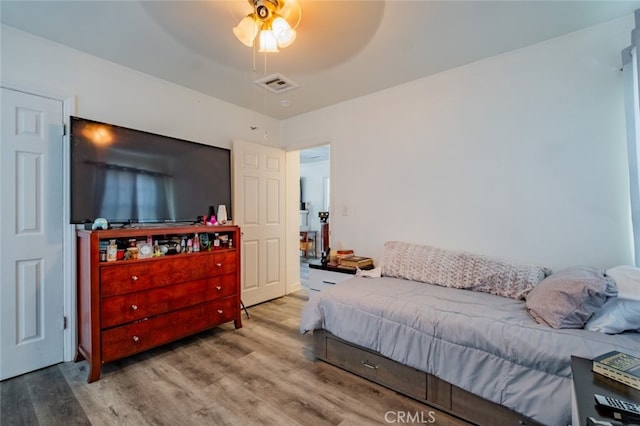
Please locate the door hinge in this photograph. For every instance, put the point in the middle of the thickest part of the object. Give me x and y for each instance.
(64, 323)
(64, 132)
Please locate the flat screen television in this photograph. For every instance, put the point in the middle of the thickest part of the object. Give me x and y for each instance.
(130, 176)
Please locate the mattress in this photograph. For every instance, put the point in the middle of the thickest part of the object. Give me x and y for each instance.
(482, 343)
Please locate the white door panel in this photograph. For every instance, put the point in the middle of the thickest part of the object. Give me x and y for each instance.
(31, 225)
(259, 177)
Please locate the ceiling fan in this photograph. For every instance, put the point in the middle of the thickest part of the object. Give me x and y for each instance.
(271, 19)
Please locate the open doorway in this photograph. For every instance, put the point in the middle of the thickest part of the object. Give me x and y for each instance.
(315, 197)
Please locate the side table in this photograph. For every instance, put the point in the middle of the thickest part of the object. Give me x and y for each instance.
(322, 277)
(586, 383)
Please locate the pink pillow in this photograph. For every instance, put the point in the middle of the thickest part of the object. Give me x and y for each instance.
(569, 297)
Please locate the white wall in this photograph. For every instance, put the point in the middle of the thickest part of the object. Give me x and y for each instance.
(108, 92)
(314, 174)
(520, 156)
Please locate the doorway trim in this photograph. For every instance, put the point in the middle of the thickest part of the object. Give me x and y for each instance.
(292, 153)
(68, 231)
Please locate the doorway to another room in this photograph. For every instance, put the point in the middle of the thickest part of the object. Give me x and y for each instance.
(314, 200)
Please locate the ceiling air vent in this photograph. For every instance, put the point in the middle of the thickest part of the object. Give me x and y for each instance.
(276, 83)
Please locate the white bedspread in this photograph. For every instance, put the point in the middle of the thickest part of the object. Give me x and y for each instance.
(485, 344)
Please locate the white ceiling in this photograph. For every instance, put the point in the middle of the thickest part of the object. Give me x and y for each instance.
(345, 49)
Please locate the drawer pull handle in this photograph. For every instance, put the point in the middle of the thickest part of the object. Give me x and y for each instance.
(329, 282)
(134, 277)
(134, 307)
(136, 338)
(220, 311)
(218, 288)
(371, 366)
(218, 265)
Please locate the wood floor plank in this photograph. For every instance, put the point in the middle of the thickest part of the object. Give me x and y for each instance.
(245, 399)
(157, 397)
(107, 401)
(15, 403)
(263, 373)
(55, 403)
(293, 399)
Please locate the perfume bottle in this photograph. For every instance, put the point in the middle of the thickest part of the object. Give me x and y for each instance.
(196, 243)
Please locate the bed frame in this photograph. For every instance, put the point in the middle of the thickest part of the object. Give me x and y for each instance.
(421, 386)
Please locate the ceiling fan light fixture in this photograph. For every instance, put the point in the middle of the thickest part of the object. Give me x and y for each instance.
(273, 27)
(283, 32)
(247, 30)
(268, 41)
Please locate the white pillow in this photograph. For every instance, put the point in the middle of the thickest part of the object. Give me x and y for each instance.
(615, 316)
(627, 279)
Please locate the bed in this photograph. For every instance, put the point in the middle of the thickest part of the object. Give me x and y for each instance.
(476, 354)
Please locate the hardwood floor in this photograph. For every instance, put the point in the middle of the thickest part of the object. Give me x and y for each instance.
(261, 374)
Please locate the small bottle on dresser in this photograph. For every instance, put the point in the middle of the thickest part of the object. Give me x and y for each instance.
(112, 251)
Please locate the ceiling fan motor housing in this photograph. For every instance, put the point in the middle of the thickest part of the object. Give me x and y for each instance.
(265, 8)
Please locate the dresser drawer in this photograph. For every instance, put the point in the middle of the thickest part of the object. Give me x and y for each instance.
(119, 342)
(124, 308)
(118, 278)
(224, 310)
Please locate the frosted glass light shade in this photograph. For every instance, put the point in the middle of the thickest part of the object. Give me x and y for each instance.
(247, 30)
(268, 42)
(286, 38)
(284, 34)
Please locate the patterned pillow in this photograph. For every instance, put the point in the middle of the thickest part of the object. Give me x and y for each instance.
(459, 270)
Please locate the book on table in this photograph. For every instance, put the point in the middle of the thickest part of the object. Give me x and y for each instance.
(356, 261)
(619, 366)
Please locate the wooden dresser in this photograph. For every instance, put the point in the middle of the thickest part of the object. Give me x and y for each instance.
(128, 306)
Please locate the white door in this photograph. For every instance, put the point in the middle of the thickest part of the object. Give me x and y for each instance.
(31, 229)
(259, 203)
